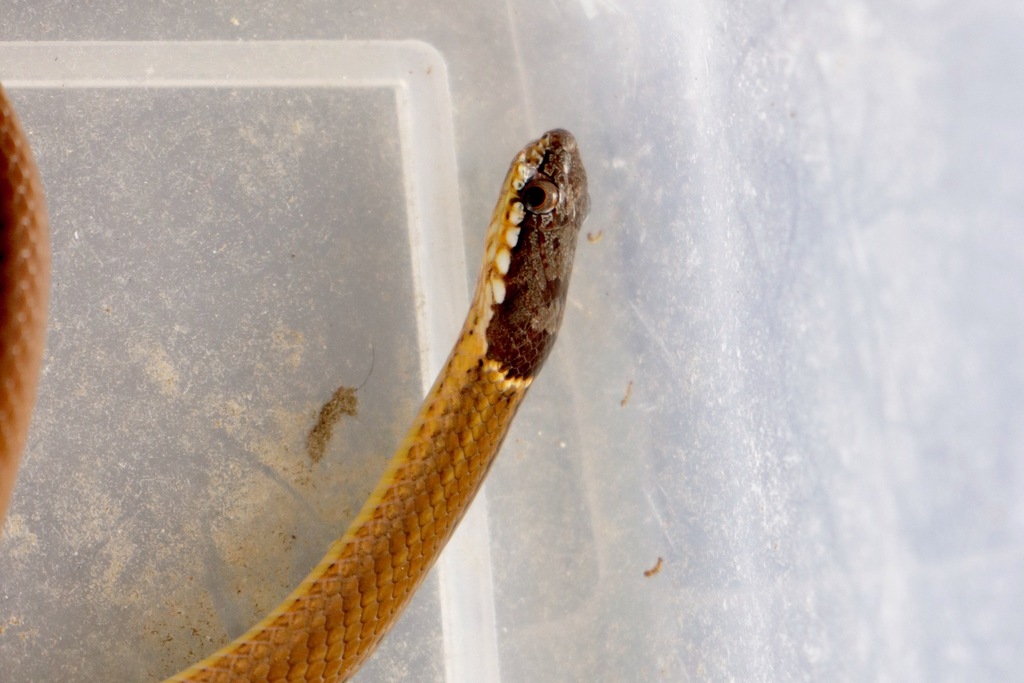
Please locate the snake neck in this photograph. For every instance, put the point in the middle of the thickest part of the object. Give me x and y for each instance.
(341, 610)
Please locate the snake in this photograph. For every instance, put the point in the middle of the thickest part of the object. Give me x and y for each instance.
(24, 291)
(332, 622)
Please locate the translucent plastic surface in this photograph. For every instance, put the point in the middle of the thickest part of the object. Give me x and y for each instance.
(238, 229)
(792, 367)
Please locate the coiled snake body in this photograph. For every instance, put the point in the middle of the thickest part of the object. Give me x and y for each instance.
(334, 619)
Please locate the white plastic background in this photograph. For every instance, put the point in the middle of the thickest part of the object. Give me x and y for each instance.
(805, 274)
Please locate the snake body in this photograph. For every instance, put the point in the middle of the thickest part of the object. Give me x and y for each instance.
(24, 289)
(334, 619)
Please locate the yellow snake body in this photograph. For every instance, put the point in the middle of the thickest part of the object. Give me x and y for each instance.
(334, 619)
(24, 291)
(329, 625)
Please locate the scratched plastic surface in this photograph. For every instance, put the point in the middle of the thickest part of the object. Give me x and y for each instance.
(792, 365)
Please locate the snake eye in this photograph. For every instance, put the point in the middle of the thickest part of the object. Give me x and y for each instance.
(540, 196)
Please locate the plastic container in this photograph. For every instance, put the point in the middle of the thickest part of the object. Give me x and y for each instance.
(792, 367)
(253, 225)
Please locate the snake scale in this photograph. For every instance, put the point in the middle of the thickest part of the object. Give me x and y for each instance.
(331, 623)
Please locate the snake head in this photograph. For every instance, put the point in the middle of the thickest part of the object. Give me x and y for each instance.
(530, 249)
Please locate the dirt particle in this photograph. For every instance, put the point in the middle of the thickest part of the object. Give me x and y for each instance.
(655, 569)
(343, 402)
(629, 392)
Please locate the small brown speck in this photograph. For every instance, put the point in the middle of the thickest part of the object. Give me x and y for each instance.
(595, 237)
(343, 402)
(629, 391)
(655, 569)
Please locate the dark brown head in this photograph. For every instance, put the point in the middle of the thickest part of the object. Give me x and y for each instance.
(530, 249)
